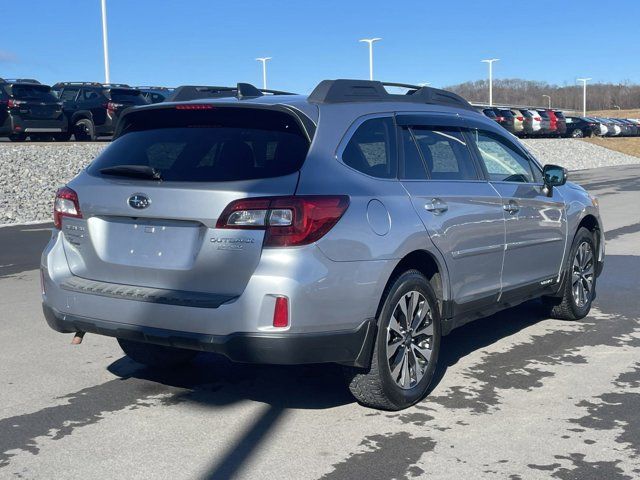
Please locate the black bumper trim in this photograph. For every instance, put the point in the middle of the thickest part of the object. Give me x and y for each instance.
(350, 347)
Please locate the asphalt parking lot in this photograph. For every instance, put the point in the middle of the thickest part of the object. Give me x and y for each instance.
(517, 396)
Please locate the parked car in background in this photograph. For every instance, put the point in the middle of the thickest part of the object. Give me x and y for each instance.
(578, 127)
(93, 108)
(489, 113)
(631, 127)
(223, 225)
(613, 129)
(545, 122)
(195, 92)
(600, 129)
(156, 94)
(625, 130)
(29, 109)
(518, 122)
(532, 123)
(506, 119)
(561, 123)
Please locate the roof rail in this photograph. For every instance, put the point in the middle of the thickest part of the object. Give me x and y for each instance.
(22, 80)
(342, 91)
(150, 87)
(84, 84)
(115, 85)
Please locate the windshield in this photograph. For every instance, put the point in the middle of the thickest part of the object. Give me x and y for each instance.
(226, 144)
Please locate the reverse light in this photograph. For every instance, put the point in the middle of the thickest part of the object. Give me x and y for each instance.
(65, 205)
(287, 221)
(281, 312)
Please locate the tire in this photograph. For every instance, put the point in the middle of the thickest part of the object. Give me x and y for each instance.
(153, 355)
(568, 307)
(18, 137)
(84, 130)
(577, 133)
(378, 387)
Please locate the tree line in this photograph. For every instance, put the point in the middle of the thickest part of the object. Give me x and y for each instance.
(515, 91)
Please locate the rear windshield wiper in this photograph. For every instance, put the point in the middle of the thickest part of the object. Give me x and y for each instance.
(134, 171)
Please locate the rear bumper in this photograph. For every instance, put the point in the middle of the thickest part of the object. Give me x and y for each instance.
(16, 124)
(352, 347)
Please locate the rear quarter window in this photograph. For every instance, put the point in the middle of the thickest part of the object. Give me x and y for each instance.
(372, 148)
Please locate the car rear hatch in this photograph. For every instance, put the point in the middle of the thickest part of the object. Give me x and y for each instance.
(122, 98)
(162, 233)
(34, 102)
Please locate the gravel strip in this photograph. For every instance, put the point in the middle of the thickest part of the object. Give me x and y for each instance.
(31, 173)
(576, 154)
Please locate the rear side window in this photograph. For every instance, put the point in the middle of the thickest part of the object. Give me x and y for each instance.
(220, 144)
(372, 148)
(445, 153)
(33, 92)
(502, 161)
(69, 94)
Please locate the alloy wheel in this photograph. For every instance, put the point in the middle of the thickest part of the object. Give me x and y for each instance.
(410, 339)
(582, 275)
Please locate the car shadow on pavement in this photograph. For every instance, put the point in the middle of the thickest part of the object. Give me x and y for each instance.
(214, 381)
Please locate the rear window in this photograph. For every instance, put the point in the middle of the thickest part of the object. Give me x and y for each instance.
(33, 92)
(543, 113)
(506, 113)
(490, 113)
(559, 115)
(222, 144)
(129, 97)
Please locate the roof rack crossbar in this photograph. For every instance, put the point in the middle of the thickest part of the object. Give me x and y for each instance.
(342, 91)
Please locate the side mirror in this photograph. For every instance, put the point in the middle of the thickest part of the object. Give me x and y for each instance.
(554, 176)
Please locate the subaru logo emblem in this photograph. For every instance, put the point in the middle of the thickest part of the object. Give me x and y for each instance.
(139, 201)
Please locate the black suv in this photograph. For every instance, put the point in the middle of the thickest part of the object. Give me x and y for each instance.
(29, 109)
(156, 94)
(93, 108)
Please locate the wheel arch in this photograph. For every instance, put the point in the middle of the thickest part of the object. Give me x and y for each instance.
(80, 115)
(432, 267)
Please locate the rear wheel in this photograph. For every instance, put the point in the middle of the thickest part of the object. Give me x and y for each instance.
(84, 130)
(406, 349)
(153, 355)
(579, 287)
(577, 133)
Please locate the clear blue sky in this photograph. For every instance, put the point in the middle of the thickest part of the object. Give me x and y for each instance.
(171, 42)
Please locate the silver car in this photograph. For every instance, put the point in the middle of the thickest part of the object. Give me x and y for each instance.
(350, 226)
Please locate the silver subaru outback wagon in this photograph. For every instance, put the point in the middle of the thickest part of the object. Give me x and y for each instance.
(352, 226)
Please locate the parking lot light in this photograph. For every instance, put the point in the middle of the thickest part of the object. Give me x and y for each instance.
(264, 70)
(105, 42)
(370, 41)
(549, 98)
(490, 62)
(584, 94)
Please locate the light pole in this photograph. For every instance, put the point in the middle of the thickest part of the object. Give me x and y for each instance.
(584, 94)
(547, 96)
(105, 42)
(264, 70)
(490, 62)
(370, 41)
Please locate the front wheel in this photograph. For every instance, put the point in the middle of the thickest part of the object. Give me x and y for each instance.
(577, 133)
(406, 348)
(579, 287)
(153, 355)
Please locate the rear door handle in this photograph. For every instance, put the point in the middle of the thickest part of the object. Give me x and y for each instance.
(436, 206)
(511, 207)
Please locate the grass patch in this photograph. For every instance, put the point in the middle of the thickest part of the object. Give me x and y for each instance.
(626, 145)
(635, 113)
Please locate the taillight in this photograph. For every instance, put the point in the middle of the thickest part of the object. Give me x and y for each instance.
(12, 103)
(66, 205)
(287, 221)
(500, 119)
(537, 119)
(113, 106)
(194, 106)
(281, 312)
